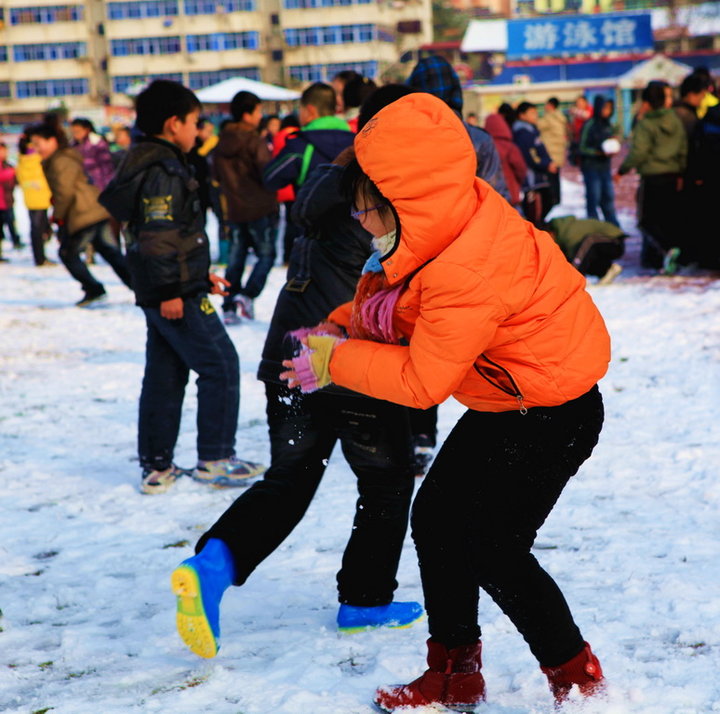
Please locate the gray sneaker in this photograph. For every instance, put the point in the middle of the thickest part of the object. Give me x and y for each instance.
(227, 473)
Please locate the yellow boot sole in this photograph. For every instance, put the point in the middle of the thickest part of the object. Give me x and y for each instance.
(192, 623)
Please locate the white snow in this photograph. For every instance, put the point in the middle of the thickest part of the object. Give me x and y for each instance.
(85, 559)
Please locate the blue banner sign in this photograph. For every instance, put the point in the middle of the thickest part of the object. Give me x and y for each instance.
(579, 34)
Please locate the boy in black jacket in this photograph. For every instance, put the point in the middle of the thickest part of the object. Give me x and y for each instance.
(156, 197)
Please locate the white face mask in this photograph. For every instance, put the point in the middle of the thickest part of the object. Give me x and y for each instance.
(384, 244)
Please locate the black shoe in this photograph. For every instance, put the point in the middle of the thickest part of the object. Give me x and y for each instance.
(90, 298)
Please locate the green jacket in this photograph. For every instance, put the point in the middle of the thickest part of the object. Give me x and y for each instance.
(569, 232)
(658, 145)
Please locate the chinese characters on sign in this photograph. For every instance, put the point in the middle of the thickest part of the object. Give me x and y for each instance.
(579, 34)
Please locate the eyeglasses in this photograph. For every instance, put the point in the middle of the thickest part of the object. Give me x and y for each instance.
(357, 214)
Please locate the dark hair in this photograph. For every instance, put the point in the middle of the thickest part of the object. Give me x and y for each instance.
(202, 121)
(654, 94)
(507, 113)
(693, 84)
(355, 182)
(243, 103)
(161, 100)
(321, 96)
(83, 122)
(3, 145)
(523, 107)
(23, 142)
(379, 99)
(49, 128)
(291, 120)
(553, 101)
(357, 90)
(346, 75)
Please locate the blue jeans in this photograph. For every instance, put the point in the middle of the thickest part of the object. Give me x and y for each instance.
(599, 192)
(101, 238)
(197, 342)
(260, 237)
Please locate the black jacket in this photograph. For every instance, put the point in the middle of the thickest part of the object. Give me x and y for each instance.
(156, 196)
(325, 264)
(596, 130)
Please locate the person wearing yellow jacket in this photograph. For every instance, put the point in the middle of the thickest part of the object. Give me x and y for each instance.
(465, 298)
(37, 195)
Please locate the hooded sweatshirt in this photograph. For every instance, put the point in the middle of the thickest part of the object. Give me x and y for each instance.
(513, 164)
(596, 130)
(490, 311)
(658, 145)
(238, 163)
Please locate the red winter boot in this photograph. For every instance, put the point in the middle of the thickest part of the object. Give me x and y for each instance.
(453, 680)
(583, 669)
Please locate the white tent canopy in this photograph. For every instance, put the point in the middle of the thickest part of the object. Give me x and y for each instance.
(223, 92)
(657, 67)
(485, 36)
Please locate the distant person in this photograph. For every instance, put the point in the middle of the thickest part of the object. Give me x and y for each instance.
(80, 218)
(513, 163)
(94, 150)
(658, 152)
(598, 144)
(508, 113)
(123, 141)
(710, 99)
(355, 92)
(36, 193)
(289, 126)
(155, 195)
(538, 198)
(197, 157)
(554, 130)
(238, 163)
(472, 119)
(338, 83)
(693, 90)
(579, 113)
(8, 181)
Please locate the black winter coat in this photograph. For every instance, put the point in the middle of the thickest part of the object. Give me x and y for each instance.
(325, 264)
(155, 195)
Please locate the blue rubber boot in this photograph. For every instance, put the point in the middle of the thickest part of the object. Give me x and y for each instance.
(396, 615)
(199, 583)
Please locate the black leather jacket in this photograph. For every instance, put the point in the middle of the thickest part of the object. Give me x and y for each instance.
(157, 199)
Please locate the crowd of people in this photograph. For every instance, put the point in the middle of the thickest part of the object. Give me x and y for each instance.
(421, 264)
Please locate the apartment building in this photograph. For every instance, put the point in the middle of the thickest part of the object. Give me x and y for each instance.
(86, 55)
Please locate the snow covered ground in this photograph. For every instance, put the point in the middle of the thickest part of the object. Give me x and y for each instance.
(85, 559)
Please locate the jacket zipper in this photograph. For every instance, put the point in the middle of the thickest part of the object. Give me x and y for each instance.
(517, 393)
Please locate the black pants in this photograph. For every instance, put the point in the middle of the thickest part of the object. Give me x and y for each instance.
(197, 342)
(659, 207)
(101, 238)
(39, 231)
(423, 422)
(7, 218)
(374, 436)
(475, 517)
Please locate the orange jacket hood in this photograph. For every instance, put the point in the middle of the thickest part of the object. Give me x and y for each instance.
(491, 312)
(420, 136)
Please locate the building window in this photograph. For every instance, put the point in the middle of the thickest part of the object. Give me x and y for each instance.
(45, 14)
(138, 10)
(4, 90)
(52, 51)
(120, 84)
(223, 41)
(330, 35)
(306, 4)
(325, 72)
(145, 46)
(214, 7)
(3, 53)
(199, 80)
(51, 88)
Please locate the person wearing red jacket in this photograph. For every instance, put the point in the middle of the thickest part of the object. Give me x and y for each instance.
(465, 298)
(8, 181)
(513, 165)
(289, 126)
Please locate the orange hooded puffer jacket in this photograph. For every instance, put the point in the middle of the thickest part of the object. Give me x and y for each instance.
(497, 318)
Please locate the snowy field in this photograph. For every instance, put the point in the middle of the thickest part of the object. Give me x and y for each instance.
(85, 560)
